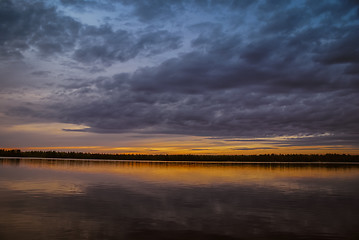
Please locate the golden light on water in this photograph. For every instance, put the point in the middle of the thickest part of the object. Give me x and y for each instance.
(182, 173)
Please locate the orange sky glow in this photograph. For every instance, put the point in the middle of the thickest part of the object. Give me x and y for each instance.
(51, 137)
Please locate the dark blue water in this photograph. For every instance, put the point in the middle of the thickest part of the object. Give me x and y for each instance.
(63, 199)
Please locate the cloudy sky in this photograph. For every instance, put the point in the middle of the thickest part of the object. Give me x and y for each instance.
(191, 76)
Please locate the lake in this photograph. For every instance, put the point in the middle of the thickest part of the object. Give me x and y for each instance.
(89, 199)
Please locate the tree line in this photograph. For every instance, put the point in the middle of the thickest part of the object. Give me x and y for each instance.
(185, 157)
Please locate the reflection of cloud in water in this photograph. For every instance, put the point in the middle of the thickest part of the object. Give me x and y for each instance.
(136, 174)
(214, 211)
(154, 201)
(152, 179)
(48, 187)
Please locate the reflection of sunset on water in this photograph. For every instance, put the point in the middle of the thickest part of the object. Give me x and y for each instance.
(73, 198)
(195, 173)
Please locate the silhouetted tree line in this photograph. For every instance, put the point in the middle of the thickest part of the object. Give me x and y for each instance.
(187, 157)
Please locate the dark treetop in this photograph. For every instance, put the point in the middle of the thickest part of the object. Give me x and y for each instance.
(189, 157)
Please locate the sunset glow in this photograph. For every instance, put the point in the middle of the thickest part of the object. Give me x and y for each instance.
(180, 77)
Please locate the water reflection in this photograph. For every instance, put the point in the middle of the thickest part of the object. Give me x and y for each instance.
(76, 199)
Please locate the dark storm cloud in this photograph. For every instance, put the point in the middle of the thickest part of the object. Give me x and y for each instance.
(26, 25)
(292, 73)
(286, 20)
(343, 50)
(352, 69)
(152, 10)
(148, 9)
(157, 10)
(232, 113)
(41, 73)
(107, 45)
(83, 4)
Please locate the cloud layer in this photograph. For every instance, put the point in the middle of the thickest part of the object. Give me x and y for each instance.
(233, 69)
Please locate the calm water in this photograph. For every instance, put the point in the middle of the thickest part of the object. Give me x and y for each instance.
(64, 199)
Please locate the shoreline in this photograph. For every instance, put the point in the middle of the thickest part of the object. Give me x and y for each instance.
(183, 161)
(263, 158)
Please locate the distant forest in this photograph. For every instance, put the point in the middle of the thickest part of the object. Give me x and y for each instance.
(186, 157)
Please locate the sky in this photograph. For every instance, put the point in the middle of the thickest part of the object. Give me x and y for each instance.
(180, 77)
